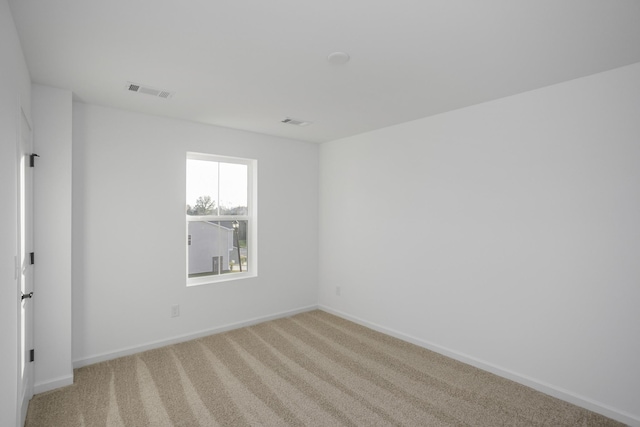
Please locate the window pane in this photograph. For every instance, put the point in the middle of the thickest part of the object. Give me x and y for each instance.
(216, 247)
(233, 189)
(238, 256)
(202, 187)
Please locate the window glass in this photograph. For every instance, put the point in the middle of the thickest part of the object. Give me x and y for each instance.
(233, 189)
(202, 187)
(217, 247)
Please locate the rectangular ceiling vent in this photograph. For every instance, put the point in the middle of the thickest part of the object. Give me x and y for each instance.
(295, 122)
(134, 87)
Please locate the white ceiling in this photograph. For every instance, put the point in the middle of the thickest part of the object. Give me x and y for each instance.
(248, 64)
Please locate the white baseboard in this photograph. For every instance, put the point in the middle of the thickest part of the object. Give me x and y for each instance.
(541, 386)
(187, 337)
(52, 384)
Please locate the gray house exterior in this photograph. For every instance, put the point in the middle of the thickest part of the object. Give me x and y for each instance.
(210, 247)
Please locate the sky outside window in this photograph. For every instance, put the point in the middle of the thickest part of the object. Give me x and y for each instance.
(225, 183)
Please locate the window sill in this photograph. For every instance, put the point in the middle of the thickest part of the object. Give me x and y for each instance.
(207, 280)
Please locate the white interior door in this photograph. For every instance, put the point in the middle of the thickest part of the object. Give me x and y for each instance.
(25, 268)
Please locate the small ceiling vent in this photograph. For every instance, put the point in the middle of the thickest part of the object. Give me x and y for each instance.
(134, 87)
(295, 122)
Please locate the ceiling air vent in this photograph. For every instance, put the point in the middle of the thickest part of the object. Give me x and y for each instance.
(295, 122)
(134, 87)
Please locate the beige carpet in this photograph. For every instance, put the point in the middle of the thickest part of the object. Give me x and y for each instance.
(313, 369)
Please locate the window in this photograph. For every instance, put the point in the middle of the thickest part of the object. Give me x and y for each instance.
(221, 218)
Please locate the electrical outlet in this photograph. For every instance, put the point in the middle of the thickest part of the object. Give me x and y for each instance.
(338, 290)
(175, 311)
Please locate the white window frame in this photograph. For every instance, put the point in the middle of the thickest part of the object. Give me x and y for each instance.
(251, 217)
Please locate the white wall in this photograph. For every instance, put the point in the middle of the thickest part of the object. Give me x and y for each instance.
(14, 90)
(517, 236)
(129, 259)
(52, 237)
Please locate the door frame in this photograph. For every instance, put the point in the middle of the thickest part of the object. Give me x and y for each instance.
(25, 378)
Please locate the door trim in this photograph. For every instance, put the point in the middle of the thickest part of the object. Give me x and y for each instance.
(24, 390)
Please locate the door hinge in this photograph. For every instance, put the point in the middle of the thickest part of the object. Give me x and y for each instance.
(32, 256)
(32, 355)
(32, 159)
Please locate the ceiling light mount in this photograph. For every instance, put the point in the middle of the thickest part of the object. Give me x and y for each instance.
(338, 58)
